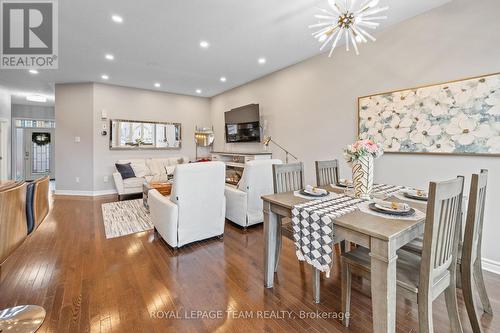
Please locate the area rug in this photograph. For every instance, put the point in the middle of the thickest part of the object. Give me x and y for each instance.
(125, 217)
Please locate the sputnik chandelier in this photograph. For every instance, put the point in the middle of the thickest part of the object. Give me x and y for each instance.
(347, 18)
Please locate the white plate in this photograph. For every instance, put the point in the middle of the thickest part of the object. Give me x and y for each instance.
(390, 209)
(415, 193)
(318, 193)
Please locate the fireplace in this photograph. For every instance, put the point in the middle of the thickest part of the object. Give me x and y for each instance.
(233, 174)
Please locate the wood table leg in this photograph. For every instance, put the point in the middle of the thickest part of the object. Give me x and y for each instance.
(270, 239)
(383, 286)
(316, 285)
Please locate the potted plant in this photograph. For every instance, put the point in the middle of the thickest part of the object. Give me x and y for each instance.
(361, 155)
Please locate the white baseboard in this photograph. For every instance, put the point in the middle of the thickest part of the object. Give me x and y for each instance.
(85, 193)
(491, 266)
(104, 192)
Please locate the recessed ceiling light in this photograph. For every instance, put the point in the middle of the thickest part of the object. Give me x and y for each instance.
(117, 18)
(204, 44)
(198, 91)
(262, 61)
(104, 77)
(36, 98)
(157, 85)
(109, 56)
(33, 71)
(223, 79)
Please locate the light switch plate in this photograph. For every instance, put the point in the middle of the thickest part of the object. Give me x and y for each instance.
(77, 139)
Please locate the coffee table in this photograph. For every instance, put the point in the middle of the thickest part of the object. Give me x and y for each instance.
(163, 187)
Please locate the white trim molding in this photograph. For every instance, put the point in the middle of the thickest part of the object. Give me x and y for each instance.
(4, 149)
(85, 193)
(491, 266)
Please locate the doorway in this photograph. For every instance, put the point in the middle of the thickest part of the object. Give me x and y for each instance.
(33, 149)
(38, 155)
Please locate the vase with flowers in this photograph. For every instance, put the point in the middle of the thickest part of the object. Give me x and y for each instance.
(361, 155)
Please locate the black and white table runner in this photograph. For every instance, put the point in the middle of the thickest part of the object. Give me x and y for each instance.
(313, 226)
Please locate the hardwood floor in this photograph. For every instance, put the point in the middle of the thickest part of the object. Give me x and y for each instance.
(130, 284)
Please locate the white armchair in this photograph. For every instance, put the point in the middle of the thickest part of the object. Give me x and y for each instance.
(244, 203)
(195, 209)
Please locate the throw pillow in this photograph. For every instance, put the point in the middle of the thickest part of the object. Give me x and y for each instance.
(125, 170)
(170, 169)
(155, 166)
(140, 169)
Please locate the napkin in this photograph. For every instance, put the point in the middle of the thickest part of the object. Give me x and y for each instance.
(316, 190)
(392, 205)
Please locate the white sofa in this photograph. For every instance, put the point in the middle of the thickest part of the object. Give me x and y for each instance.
(195, 209)
(244, 203)
(146, 169)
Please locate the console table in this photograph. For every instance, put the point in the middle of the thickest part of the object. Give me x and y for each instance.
(235, 163)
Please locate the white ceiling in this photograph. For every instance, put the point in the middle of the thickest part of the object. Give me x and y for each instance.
(159, 42)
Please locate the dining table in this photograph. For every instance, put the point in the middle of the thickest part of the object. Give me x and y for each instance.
(383, 236)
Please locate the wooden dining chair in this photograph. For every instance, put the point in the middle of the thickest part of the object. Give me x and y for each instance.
(437, 271)
(471, 267)
(286, 178)
(469, 258)
(327, 172)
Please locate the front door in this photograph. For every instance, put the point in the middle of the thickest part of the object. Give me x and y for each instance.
(38, 153)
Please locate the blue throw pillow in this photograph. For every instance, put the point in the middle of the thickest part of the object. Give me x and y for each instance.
(125, 170)
(30, 188)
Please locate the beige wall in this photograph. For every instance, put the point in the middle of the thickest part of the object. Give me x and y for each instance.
(311, 107)
(78, 113)
(73, 110)
(136, 104)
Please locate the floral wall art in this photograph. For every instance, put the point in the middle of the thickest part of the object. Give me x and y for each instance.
(460, 117)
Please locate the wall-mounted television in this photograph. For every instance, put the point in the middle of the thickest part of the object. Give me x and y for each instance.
(242, 124)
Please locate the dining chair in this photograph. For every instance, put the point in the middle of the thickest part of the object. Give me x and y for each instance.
(437, 271)
(286, 178)
(327, 172)
(469, 258)
(470, 266)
